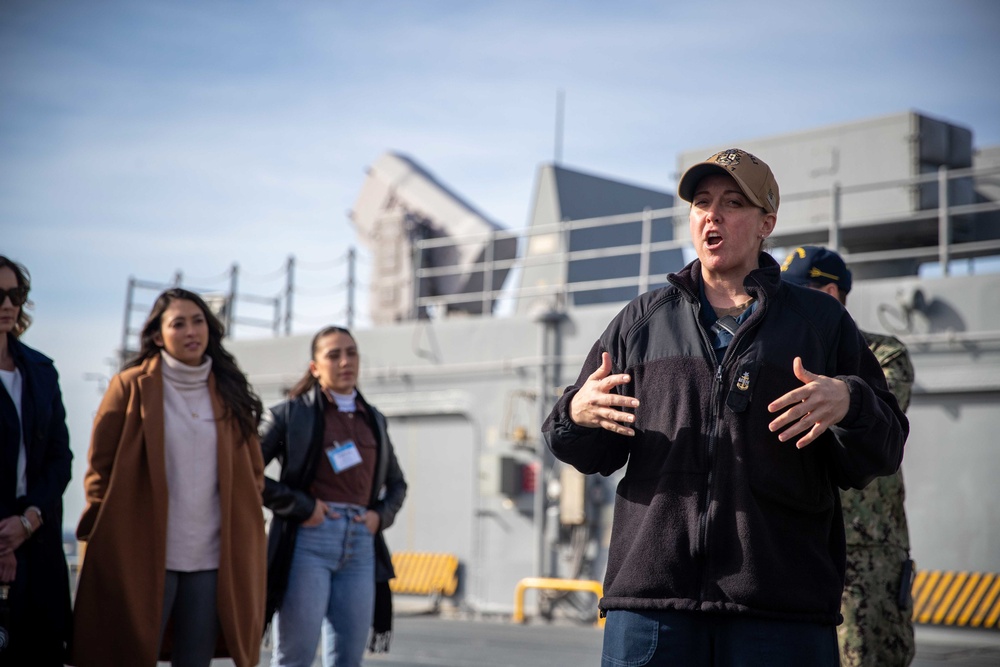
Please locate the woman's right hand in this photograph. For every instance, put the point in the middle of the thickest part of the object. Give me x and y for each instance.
(12, 535)
(8, 567)
(318, 516)
(595, 404)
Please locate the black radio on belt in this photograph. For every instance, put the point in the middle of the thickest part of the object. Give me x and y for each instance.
(905, 585)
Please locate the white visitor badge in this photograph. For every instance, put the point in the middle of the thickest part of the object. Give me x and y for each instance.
(343, 456)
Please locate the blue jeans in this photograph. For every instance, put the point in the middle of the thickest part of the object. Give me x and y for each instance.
(697, 639)
(331, 585)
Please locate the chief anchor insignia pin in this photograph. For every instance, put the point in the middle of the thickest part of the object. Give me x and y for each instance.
(744, 382)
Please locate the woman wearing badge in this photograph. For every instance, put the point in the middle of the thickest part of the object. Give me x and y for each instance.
(340, 486)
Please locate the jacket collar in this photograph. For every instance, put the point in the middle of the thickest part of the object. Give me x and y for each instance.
(24, 355)
(314, 398)
(761, 283)
(150, 366)
(15, 347)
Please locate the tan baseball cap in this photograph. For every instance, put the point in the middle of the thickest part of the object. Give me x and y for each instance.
(750, 172)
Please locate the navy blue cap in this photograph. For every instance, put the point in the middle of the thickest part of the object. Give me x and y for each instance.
(812, 265)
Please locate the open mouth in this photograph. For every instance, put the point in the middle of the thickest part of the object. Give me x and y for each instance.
(713, 240)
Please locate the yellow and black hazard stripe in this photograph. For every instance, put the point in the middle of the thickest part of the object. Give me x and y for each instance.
(967, 599)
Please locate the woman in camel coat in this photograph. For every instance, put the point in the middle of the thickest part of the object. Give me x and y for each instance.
(120, 616)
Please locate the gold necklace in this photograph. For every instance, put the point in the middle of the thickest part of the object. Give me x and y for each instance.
(733, 311)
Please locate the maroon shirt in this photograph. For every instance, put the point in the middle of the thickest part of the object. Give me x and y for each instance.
(353, 485)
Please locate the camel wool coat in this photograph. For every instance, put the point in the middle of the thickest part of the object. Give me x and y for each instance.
(120, 592)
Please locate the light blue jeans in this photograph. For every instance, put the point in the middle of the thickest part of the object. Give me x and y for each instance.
(331, 585)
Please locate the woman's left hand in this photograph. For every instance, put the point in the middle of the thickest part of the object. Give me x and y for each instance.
(12, 534)
(371, 520)
(812, 408)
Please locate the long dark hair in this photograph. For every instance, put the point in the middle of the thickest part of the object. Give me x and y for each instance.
(307, 382)
(23, 280)
(238, 397)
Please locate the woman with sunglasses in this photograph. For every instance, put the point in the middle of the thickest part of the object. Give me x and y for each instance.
(175, 560)
(36, 462)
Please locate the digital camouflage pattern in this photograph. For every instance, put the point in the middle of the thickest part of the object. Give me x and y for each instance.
(876, 632)
(874, 515)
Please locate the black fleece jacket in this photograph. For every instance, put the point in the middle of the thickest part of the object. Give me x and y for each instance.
(714, 513)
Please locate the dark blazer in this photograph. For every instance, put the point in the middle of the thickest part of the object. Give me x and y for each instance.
(292, 432)
(41, 563)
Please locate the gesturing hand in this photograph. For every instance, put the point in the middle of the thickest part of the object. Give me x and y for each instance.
(594, 405)
(817, 405)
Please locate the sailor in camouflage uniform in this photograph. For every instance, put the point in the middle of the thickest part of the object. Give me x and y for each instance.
(877, 630)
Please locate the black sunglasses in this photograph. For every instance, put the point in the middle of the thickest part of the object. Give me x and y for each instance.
(18, 295)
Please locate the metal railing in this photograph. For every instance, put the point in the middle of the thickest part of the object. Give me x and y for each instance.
(938, 220)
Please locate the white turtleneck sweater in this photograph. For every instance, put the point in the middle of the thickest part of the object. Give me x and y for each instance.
(190, 448)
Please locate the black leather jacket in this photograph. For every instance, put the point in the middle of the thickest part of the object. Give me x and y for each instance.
(714, 513)
(292, 432)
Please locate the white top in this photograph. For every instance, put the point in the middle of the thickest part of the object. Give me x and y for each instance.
(191, 455)
(12, 382)
(345, 402)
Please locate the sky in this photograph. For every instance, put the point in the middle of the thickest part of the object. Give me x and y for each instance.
(139, 139)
